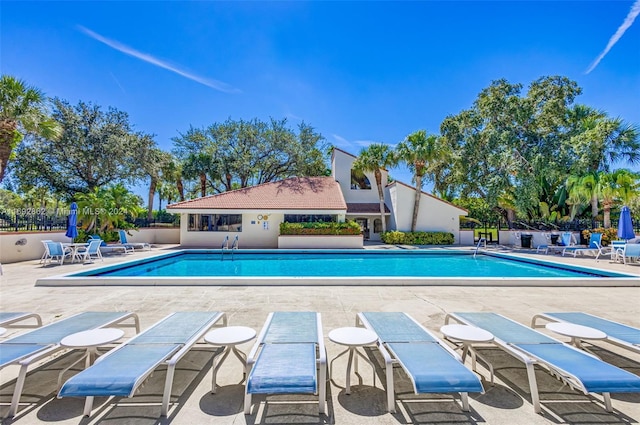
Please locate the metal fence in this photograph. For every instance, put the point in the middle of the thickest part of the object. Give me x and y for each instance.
(36, 222)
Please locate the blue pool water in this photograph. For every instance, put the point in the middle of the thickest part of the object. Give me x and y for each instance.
(270, 263)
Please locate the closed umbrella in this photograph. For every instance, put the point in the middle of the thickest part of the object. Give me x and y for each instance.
(625, 227)
(72, 222)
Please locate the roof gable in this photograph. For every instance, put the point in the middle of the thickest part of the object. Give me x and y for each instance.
(427, 194)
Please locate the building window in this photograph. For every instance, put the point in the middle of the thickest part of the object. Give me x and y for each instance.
(377, 225)
(215, 223)
(359, 181)
(310, 218)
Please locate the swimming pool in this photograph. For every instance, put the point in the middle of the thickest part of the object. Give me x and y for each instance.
(332, 267)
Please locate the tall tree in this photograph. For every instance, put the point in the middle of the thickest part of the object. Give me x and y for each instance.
(153, 164)
(96, 148)
(372, 159)
(418, 150)
(23, 110)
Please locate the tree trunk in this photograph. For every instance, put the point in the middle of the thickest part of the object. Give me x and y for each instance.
(180, 187)
(594, 206)
(152, 194)
(607, 215)
(378, 175)
(416, 203)
(228, 183)
(203, 185)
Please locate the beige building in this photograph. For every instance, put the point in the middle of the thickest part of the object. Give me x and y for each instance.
(254, 214)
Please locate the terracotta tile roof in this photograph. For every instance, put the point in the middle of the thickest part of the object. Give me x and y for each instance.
(297, 193)
(366, 208)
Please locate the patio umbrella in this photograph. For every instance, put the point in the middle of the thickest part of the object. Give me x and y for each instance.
(72, 222)
(625, 227)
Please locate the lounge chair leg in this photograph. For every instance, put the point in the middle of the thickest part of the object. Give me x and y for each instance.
(322, 390)
(533, 386)
(15, 400)
(247, 403)
(607, 402)
(465, 401)
(88, 406)
(168, 383)
(391, 397)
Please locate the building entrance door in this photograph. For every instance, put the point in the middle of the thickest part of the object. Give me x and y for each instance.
(364, 225)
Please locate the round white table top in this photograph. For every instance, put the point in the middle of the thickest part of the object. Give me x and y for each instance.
(466, 333)
(352, 336)
(575, 331)
(2, 331)
(92, 338)
(230, 335)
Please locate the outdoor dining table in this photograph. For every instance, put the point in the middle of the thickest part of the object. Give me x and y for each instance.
(74, 250)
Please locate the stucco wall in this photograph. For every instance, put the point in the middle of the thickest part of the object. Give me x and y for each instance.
(25, 246)
(254, 234)
(433, 215)
(341, 171)
(320, 242)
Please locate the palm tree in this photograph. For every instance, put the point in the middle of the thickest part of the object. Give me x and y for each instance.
(172, 174)
(197, 165)
(153, 166)
(619, 186)
(586, 189)
(371, 159)
(417, 150)
(22, 111)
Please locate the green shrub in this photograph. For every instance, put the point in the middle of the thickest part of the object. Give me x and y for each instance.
(395, 237)
(320, 228)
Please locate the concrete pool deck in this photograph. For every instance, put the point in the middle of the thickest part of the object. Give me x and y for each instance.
(507, 402)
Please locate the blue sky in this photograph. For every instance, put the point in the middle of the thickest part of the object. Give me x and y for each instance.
(356, 71)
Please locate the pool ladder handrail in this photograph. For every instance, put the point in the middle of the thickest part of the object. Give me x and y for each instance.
(225, 247)
(480, 241)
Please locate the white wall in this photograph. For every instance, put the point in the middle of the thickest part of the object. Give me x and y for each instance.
(320, 242)
(434, 215)
(341, 172)
(25, 246)
(253, 234)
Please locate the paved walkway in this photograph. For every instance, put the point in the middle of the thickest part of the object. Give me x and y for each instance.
(507, 402)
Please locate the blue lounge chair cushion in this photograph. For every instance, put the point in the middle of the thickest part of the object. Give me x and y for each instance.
(118, 373)
(596, 375)
(396, 327)
(179, 328)
(292, 326)
(433, 369)
(612, 329)
(505, 329)
(284, 369)
(10, 353)
(53, 333)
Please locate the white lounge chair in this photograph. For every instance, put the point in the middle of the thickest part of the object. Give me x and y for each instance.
(594, 248)
(618, 334)
(15, 319)
(123, 241)
(122, 370)
(32, 346)
(289, 357)
(577, 368)
(431, 365)
(566, 240)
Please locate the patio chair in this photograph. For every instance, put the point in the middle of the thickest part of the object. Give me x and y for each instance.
(594, 248)
(431, 365)
(91, 251)
(630, 251)
(566, 240)
(122, 370)
(56, 251)
(287, 358)
(44, 244)
(29, 347)
(618, 334)
(617, 250)
(576, 368)
(15, 319)
(123, 241)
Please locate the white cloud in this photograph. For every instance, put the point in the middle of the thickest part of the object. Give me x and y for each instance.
(628, 21)
(214, 84)
(341, 141)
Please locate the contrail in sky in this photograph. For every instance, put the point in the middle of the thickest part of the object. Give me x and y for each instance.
(214, 84)
(633, 13)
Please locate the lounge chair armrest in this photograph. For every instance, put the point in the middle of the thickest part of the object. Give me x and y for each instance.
(191, 342)
(322, 352)
(251, 357)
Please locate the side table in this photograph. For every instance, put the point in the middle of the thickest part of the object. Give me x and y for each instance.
(467, 336)
(90, 340)
(228, 337)
(353, 338)
(2, 331)
(576, 333)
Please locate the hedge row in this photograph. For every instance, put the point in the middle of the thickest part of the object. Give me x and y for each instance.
(320, 228)
(417, 238)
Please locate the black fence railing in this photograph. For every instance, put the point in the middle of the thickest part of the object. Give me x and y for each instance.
(33, 222)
